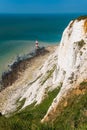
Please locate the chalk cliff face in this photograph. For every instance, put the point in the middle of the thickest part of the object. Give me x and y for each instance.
(66, 68)
(72, 62)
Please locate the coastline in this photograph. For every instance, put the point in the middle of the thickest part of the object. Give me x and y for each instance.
(26, 76)
(18, 68)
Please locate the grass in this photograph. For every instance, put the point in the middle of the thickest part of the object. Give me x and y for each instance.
(83, 84)
(20, 104)
(30, 117)
(35, 80)
(80, 43)
(48, 75)
(73, 116)
(82, 18)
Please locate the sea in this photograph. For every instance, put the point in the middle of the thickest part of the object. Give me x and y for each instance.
(18, 33)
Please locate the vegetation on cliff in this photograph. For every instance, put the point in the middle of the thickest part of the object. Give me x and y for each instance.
(30, 117)
(72, 116)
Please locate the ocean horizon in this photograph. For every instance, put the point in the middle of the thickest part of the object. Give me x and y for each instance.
(18, 33)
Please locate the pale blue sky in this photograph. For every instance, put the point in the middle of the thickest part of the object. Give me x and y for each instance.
(43, 6)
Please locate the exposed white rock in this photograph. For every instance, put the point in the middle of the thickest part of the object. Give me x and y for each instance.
(72, 61)
(44, 82)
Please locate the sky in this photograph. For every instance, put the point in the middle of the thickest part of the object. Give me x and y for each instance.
(43, 6)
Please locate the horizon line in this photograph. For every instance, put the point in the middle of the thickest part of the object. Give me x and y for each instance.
(45, 13)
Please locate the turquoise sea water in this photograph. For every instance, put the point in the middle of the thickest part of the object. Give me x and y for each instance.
(19, 32)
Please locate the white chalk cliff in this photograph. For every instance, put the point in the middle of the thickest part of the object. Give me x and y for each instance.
(67, 67)
(72, 61)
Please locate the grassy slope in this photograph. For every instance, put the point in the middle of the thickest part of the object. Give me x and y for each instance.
(29, 118)
(73, 116)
